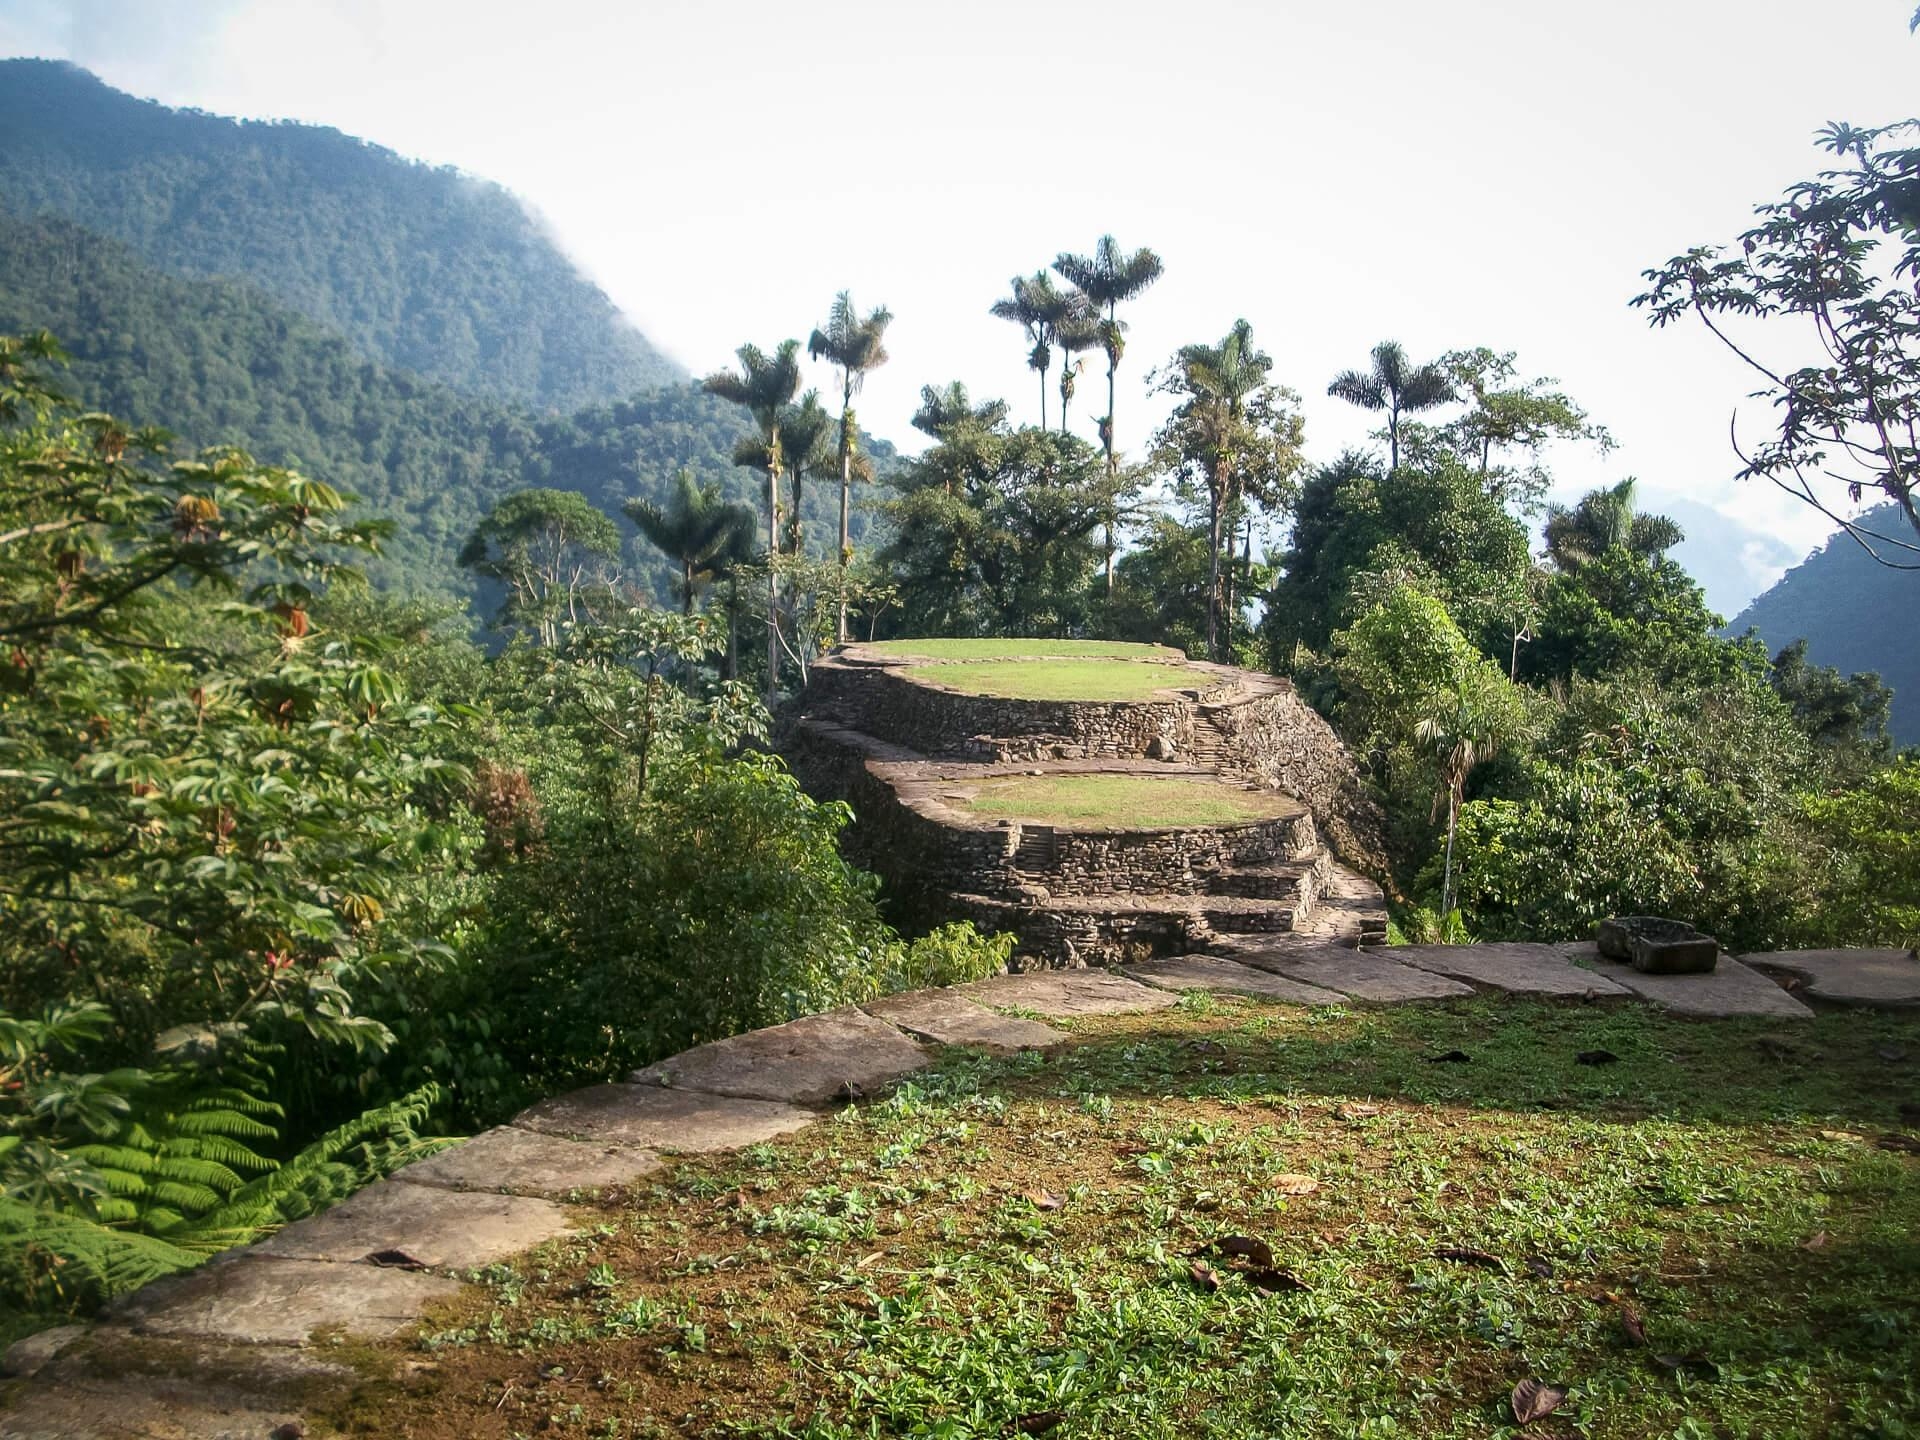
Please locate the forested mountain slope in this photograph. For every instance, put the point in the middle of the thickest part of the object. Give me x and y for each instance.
(426, 269)
(1854, 613)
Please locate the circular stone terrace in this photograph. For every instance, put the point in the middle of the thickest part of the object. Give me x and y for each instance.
(1101, 801)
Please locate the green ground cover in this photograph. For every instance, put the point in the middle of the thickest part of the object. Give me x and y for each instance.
(1711, 1235)
(1015, 649)
(1063, 679)
(1143, 801)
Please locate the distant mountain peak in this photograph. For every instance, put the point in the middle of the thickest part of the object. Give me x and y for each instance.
(420, 267)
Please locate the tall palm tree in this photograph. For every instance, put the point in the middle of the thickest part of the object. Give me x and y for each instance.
(855, 347)
(943, 413)
(1396, 385)
(1078, 330)
(737, 549)
(1108, 277)
(763, 386)
(1607, 520)
(694, 529)
(1039, 308)
(1466, 726)
(803, 448)
(1218, 381)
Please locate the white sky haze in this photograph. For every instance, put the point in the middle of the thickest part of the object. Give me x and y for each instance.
(1489, 172)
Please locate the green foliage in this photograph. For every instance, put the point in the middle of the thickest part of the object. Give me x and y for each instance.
(1861, 885)
(996, 533)
(422, 268)
(550, 552)
(1844, 714)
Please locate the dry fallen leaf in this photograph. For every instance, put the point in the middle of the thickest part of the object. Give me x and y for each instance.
(1631, 1323)
(1295, 1184)
(873, 1259)
(1241, 1247)
(1539, 1267)
(1816, 1241)
(1596, 1057)
(1451, 1057)
(1850, 1137)
(1688, 1365)
(1045, 1199)
(1038, 1423)
(1460, 1255)
(1904, 1143)
(1202, 1275)
(396, 1260)
(1275, 1282)
(1357, 1112)
(1534, 1400)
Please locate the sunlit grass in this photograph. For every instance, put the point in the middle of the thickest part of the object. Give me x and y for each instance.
(1138, 801)
(1064, 679)
(1014, 649)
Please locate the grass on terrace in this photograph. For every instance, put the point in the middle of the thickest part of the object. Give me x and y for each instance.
(1004, 1246)
(1018, 649)
(1065, 679)
(1138, 801)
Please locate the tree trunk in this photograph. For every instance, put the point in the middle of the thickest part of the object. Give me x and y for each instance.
(733, 627)
(686, 586)
(1113, 365)
(773, 581)
(1446, 883)
(1393, 437)
(1043, 399)
(846, 498)
(1213, 567)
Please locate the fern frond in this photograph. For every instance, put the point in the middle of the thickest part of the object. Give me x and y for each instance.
(51, 1254)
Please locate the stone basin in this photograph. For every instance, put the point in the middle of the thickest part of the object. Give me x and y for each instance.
(1656, 946)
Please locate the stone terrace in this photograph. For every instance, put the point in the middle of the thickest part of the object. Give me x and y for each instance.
(243, 1347)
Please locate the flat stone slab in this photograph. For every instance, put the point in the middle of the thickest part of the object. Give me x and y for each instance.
(1848, 977)
(1210, 972)
(952, 1020)
(256, 1299)
(842, 1054)
(437, 1227)
(653, 1118)
(1063, 994)
(527, 1162)
(1356, 974)
(1515, 968)
(1730, 988)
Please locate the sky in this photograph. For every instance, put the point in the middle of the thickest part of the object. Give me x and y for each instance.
(1489, 172)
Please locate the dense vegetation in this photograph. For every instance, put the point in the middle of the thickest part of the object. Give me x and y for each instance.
(286, 868)
(215, 359)
(424, 269)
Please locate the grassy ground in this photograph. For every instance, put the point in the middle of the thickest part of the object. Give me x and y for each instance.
(1117, 800)
(1703, 1238)
(1015, 649)
(1069, 679)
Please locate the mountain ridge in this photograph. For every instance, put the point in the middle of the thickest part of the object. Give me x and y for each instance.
(421, 268)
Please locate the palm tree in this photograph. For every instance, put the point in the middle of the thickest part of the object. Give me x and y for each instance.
(1466, 725)
(803, 448)
(1394, 385)
(854, 347)
(1077, 331)
(1607, 520)
(736, 550)
(1218, 381)
(694, 529)
(1107, 277)
(1040, 309)
(944, 413)
(764, 385)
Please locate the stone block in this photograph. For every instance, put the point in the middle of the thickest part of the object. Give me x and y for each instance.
(1729, 989)
(1063, 994)
(950, 1019)
(436, 1227)
(653, 1118)
(1517, 969)
(526, 1162)
(1657, 947)
(1211, 972)
(840, 1055)
(1356, 974)
(254, 1299)
(1889, 978)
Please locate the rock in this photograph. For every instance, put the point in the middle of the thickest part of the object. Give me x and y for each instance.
(1356, 974)
(1848, 977)
(1161, 748)
(1517, 969)
(1657, 947)
(261, 1300)
(1210, 972)
(28, 1355)
(951, 1020)
(526, 1162)
(1729, 989)
(1062, 994)
(653, 1118)
(804, 1062)
(436, 1227)
(1027, 893)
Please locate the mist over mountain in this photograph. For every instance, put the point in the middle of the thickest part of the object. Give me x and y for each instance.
(416, 267)
(1854, 613)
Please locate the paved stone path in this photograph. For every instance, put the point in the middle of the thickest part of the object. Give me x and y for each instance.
(226, 1352)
